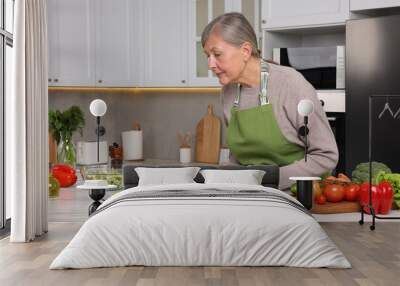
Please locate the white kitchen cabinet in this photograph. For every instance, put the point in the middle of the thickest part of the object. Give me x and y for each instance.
(359, 5)
(71, 45)
(117, 45)
(165, 42)
(52, 31)
(152, 43)
(293, 14)
(201, 12)
(94, 42)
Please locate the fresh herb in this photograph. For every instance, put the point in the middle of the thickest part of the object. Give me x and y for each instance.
(64, 124)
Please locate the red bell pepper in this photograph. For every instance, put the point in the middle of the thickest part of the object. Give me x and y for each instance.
(376, 197)
(64, 174)
(387, 197)
(63, 168)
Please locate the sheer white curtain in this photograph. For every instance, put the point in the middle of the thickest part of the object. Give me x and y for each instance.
(26, 123)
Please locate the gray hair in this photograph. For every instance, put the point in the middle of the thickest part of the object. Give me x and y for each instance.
(234, 29)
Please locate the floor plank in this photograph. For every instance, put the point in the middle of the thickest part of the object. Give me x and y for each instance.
(374, 255)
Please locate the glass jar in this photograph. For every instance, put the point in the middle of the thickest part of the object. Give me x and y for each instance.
(66, 151)
(111, 175)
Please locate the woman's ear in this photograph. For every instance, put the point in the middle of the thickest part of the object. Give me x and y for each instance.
(246, 50)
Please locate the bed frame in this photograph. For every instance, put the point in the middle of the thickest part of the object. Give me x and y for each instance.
(270, 179)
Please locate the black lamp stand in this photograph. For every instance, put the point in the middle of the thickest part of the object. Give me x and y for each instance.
(100, 131)
(98, 138)
(303, 131)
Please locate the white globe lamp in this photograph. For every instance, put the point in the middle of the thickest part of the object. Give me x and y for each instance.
(98, 108)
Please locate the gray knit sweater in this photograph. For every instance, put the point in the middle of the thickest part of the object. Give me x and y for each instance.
(286, 87)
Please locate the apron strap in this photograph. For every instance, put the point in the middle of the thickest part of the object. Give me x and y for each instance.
(263, 86)
(263, 83)
(237, 95)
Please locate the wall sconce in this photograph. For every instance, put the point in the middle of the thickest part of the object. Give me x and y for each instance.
(98, 108)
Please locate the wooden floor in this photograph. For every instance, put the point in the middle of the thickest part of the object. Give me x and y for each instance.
(374, 255)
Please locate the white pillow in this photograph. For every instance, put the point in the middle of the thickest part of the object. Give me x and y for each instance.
(248, 177)
(163, 176)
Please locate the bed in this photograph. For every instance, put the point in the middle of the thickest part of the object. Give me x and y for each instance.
(197, 224)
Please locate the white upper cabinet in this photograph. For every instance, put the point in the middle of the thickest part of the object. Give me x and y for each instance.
(287, 14)
(117, 46)
(201, 12)
(165, 42)
(358, 5)
(93, 42)
(125, 43)
(71, 46)
(52, 32)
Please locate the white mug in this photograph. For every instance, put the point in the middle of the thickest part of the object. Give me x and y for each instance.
(224, 156)
(185, 155)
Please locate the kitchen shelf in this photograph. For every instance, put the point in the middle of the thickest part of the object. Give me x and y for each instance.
(136, 90)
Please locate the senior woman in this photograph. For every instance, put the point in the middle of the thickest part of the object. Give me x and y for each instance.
(260, 104)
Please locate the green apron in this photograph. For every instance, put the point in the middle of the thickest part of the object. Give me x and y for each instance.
(253, 135)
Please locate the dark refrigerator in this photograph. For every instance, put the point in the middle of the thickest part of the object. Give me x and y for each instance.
(373, 68)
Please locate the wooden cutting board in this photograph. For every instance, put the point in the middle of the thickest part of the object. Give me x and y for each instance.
(208, 138)
(333, 208)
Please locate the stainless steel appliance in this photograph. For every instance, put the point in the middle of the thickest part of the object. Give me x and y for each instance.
(333, 103)
(373, 68)
(323, 67)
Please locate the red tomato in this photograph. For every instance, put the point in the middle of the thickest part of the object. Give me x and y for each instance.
(351, 192)
(321, 199)
(334, 193)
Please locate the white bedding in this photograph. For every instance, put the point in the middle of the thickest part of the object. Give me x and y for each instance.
(200, 231)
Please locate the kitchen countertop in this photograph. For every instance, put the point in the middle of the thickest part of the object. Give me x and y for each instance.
(157, 162)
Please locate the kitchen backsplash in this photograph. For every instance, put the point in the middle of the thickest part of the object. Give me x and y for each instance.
(161, 116)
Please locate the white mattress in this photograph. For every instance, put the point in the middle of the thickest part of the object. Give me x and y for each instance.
(200, 231)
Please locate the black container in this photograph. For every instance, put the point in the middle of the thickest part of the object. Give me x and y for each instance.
(305, 193)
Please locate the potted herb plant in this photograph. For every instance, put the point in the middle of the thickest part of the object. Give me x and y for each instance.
(63, 125)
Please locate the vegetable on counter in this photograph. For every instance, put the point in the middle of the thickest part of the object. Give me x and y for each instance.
(65, 175)
(334, 193)
(54, 187)
(382, 197)
(387, 197)
(293, 189)
(333, 189)
(321, 200)
(361, 173)
(376, 197)
(340, 179)
(340, 188)
(394, 180)
(351, 192)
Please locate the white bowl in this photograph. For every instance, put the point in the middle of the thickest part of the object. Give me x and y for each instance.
(96, 183)
(304, 178)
